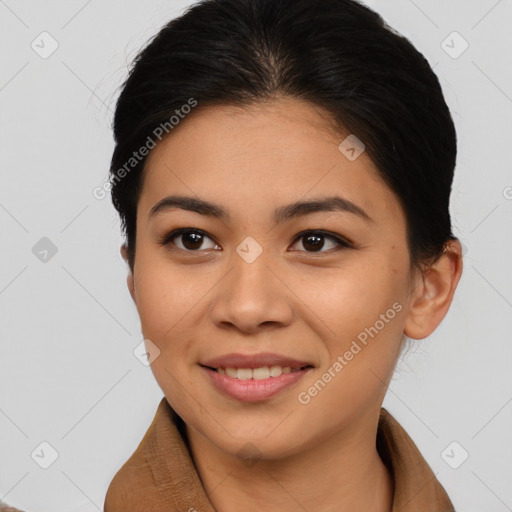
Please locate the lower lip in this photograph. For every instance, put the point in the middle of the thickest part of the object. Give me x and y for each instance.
(253, 390)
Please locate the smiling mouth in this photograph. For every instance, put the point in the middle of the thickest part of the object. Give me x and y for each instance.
(261, 373)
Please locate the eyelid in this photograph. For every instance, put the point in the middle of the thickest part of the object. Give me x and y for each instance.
(342, 241)
(166, 239)
(328, 234)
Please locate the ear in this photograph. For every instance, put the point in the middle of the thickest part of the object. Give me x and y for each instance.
(129, 278)
(433, 294)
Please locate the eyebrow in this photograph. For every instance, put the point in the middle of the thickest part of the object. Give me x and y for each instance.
(281, 214)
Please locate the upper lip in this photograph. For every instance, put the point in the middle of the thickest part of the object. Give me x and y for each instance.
(254, 361)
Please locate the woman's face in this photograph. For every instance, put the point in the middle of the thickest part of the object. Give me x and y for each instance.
(248, 283)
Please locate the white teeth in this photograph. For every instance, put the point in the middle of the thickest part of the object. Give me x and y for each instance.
(275, 371)
(244, 374)
(261, 373)
(231, 372)
(264, 372)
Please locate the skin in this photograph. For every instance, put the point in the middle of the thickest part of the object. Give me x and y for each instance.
(201, 303)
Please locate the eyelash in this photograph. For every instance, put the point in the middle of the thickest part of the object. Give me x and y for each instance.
(342, 242)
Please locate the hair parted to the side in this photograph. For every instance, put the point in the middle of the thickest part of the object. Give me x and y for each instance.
(336, 54)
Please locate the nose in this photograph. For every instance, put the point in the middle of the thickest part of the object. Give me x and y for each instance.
(252, 297)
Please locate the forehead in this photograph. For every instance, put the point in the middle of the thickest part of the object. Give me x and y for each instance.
(266, 153)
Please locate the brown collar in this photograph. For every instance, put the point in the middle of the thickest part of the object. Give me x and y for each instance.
(160, 475)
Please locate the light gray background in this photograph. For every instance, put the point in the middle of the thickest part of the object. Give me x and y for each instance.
(68, 326)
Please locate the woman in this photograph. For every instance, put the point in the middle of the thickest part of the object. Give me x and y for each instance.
(282, 171)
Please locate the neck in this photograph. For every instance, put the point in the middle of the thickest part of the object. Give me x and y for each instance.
(344, 472)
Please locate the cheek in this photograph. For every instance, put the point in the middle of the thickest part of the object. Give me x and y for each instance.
(166, 295)
(171, 302)
(359, 358)
(167, 301)
(349, 300)
(361, 313)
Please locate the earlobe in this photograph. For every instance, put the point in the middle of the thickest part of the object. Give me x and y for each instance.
(129, 278)
(434, 292)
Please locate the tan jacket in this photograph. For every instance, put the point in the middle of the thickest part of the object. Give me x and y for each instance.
(160, 475)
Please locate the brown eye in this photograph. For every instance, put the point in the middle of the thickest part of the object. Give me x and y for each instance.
(316, 241)
(192, 240)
